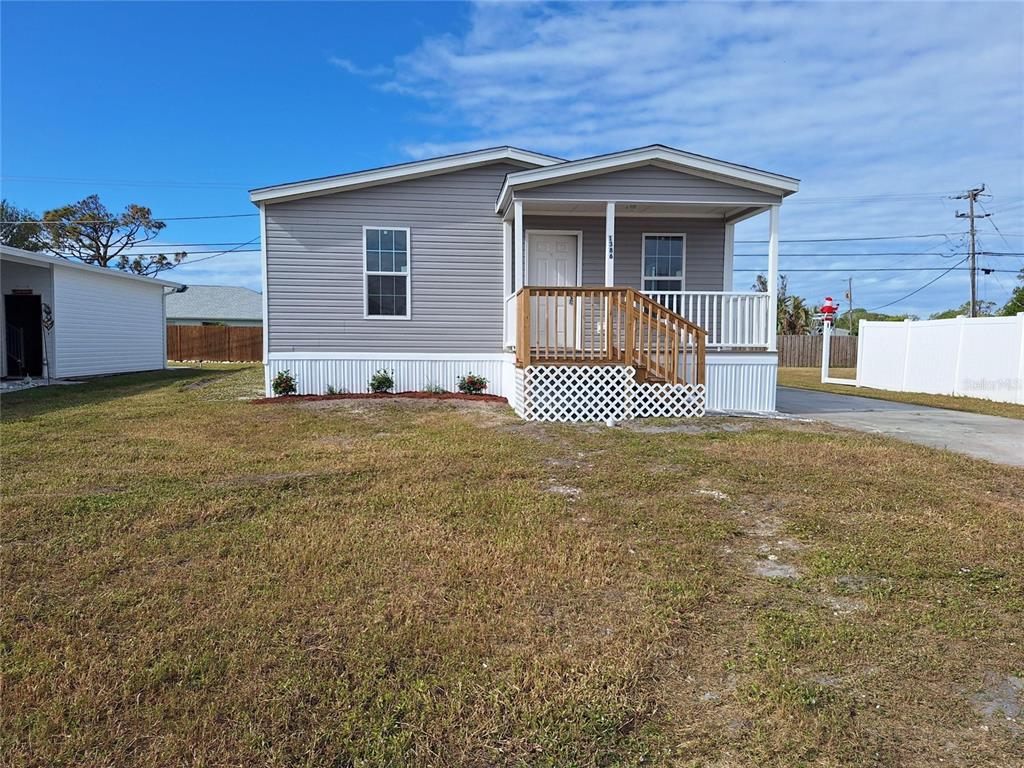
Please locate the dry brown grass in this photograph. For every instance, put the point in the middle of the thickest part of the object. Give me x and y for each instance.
(810, 378)
(192, 580)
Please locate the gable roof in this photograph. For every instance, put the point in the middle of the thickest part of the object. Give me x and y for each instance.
(400, 172)
(44, 259)
(215, 302)
(655, 154)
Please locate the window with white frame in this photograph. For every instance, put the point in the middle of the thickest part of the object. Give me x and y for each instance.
(664, 262)
(386, 269)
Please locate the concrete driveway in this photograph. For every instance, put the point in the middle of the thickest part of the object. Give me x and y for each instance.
(993, 438)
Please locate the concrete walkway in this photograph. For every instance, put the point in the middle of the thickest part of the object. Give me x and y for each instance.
(993, 438)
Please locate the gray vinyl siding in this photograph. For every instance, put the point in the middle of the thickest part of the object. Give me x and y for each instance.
(315, 267)
(649, 183)
(705, 247)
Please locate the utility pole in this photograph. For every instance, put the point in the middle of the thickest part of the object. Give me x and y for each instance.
(971, 196)
(849, 298)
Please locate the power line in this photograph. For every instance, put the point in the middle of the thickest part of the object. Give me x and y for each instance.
(992, 221)
(852, 239)
(156, 218)
(222, 253)
(885, 269)
(237, 249)
(184, 245)
(879, 253)
(918, 290)
(128, 182)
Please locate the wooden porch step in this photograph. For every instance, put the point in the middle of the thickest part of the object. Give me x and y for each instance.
(645, 376)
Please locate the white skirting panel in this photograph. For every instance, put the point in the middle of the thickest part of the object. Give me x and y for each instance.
(314, 373)
(742, 381)
(736, 381)
(599, 393)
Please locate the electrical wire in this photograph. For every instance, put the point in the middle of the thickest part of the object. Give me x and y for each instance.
(918, 290)
(882, 269)
(222, 253)
(877, 253)
(853, 239)
(236, 249)
(156, 218)
(165, 246)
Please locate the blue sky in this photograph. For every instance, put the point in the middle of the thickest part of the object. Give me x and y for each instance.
(883, 110)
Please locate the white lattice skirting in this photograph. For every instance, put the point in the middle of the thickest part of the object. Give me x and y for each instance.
(599, 393)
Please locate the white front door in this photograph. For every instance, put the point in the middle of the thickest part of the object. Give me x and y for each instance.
(552, 261)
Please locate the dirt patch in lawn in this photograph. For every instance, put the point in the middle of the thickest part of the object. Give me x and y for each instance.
(689, 426)
(203, 382)
(1001, 700)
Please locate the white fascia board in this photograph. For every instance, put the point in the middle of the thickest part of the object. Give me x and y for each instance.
(34, 258)
(401, 172)
(746, 213)
(663, 156)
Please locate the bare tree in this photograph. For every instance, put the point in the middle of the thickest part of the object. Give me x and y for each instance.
(88, 232)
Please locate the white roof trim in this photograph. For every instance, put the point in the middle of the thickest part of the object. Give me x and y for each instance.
(18, 254)
(403, 171)
(660, 155)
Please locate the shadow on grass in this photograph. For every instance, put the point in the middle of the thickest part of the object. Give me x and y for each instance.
(38, 401)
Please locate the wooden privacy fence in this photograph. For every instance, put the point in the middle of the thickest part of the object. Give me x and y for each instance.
(805, 351)
(215, 342)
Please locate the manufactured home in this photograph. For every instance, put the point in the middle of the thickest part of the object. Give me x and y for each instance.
(65, 319)
(591, 289)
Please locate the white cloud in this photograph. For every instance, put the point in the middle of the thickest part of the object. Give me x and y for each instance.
(230, 269)
(347, 65)
(906, 102)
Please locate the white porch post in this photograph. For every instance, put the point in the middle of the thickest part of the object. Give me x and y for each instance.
(506, 275)
(517, 245)
(507, 281)
(773, 277)
(727, 256)
(609, 246)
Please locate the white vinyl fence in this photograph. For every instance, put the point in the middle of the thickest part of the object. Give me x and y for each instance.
(973, 357)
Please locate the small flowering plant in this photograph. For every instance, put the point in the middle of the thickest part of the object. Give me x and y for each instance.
(471, 384)
(284, 383)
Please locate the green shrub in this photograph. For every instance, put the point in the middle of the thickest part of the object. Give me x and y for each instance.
(382, 381)
(471, 384)
(284, 383)
(435, 389)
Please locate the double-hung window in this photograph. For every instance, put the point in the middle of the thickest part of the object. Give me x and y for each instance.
(386, 270)
(664, 262)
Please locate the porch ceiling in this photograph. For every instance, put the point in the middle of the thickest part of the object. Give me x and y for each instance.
(638, 209)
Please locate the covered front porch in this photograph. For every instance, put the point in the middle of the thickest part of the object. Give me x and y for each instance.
(626, 261)
(678, 255)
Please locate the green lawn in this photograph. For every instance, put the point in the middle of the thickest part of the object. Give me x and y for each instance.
(191, 579)
(810, 378)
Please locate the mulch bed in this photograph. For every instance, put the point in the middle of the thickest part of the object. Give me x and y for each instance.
(381, 396)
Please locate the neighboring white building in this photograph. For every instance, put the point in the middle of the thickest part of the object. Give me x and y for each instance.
(64, 319)
(215, 305)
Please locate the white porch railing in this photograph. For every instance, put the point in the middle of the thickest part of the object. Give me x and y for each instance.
(731, 319)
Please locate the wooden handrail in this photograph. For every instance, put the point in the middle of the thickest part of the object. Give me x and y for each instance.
(561, 325)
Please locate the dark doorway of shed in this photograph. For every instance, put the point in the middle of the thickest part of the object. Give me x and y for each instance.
(23, 320)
